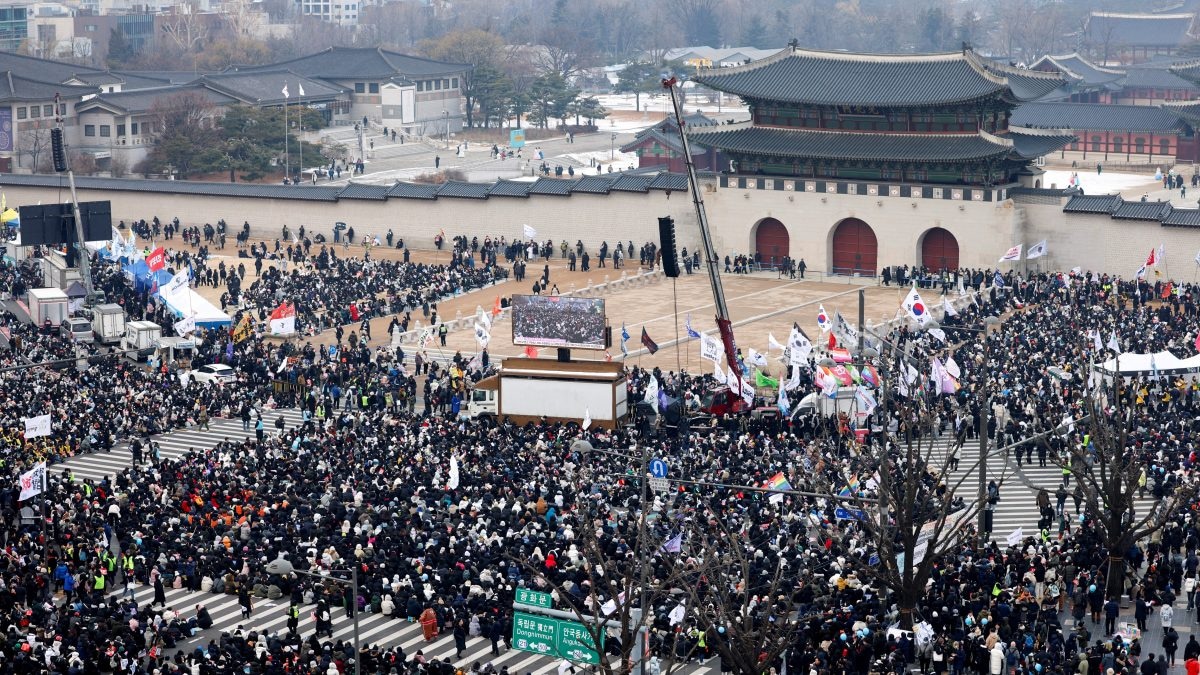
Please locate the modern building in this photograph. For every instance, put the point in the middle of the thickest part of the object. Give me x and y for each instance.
(14, 26)
(406, 93)
(1132, 38)
(659, 146)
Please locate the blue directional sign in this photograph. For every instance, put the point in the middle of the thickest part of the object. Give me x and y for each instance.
(849, 514)
(658, 468)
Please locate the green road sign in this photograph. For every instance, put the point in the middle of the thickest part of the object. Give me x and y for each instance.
(575, 643)
(535, 634)
(553, 637)
(534, 598)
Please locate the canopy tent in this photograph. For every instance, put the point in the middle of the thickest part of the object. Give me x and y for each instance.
(143, 279)
(1165, 363)
(188, 302)
(75, 296)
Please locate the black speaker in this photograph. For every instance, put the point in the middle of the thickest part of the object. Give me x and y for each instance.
(58, 150)
(670, 252)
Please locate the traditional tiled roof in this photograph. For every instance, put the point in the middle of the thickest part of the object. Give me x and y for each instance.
(593, 184)
(141, 100)
(1034, 143)
(1158, 76)
(360, 191)
(14, 87)
(371, 63)
(510, 188)
(552, 186)
(1188, 70)
(749, 139)
(1093, 204)
(1142, 210)
(1078, 69)
(266, 87)
(1182, 218)
(834, 78)
(636, 181)
(413, 191)
(454, 188)
(1138, 30)
(1056, 115)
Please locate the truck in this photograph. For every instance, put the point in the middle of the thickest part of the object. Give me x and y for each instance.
(142, 336)
(484, 400)
(108, 323)
(47, 304)
(572, 391)
(817, 403)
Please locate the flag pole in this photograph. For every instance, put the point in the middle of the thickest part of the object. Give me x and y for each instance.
(300, 118)
(287, 166)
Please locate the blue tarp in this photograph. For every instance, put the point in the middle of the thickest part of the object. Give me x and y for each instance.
(143, 278)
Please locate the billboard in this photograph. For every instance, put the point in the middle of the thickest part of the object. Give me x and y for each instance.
(555, 321)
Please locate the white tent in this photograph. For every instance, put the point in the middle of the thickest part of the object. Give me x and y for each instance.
(1166, 363)
(188, 302)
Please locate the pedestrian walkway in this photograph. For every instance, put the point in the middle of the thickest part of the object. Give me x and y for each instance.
(97, 465)
(1019, 485)
(270, 616)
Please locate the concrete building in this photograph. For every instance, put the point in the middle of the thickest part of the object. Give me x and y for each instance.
(408, 93)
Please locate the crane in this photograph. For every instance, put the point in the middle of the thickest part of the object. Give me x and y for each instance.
(724, 323)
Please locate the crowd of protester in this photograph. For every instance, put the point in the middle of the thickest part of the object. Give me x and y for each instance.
(365, 480)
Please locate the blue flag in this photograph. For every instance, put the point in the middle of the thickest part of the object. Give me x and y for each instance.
(624, 338)
(688, 325)
(998, 282)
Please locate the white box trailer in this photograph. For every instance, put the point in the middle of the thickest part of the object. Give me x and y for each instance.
(531, 389)
(48, 304)
(108, 323)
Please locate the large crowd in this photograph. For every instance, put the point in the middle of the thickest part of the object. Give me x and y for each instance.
(365, 480)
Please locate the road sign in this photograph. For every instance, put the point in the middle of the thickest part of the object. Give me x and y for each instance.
(534, 598)
(658, 468)
(659, 485)
(554, 637)
(849, 514)
(575, 643)
(535, 634)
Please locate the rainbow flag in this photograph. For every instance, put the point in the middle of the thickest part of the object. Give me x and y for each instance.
(850, 488)
(778, 482)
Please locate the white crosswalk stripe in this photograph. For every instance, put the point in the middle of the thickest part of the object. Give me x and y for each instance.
(96, 465)
(1019, 485)
(270, 616)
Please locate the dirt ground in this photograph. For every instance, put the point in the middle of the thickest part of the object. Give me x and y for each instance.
(760, 305)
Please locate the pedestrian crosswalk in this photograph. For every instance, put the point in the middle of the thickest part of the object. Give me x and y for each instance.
(384, 632)
(1019, 486)
(97, 465)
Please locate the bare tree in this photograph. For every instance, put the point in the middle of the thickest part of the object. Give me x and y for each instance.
(1111, 472)
(35, 145)
(186, 28)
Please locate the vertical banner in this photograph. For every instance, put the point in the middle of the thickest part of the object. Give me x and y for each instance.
(6, 129)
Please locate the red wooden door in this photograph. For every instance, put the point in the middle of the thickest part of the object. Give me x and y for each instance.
(854, 248)
(939, 250)
(772, 241)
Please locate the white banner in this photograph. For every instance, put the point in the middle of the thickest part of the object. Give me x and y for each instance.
(1012, 254)
(177, 283)
(482, 336)
(33, 482)
(37, 426)
(184, 326)
(710, 348)
(529, 232)
(1015, 537)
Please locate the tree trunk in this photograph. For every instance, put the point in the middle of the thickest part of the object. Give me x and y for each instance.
(1114, 585)
(637, 101)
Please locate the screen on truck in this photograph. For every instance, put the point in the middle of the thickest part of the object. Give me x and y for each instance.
(555, 321)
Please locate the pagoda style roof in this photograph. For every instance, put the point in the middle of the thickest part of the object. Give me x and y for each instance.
(1138, 30)
(1078, 69)
(1188, 70)
(1188, 111)
(1055, 115)
(835, 78)
(865, 146)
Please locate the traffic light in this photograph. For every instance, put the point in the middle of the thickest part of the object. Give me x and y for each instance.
(59, 151)
(670, 252)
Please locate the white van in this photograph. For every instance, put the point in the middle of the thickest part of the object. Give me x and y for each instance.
(77, 330)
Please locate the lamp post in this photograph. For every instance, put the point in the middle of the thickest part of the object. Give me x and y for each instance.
(284, 567)
(446, 118)
(612, 146)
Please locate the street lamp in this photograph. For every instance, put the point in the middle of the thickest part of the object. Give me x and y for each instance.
(612, 146)
(284, 567)
(446, 117)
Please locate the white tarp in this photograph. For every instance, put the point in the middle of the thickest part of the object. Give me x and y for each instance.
(1164, 362)
(189, 303)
